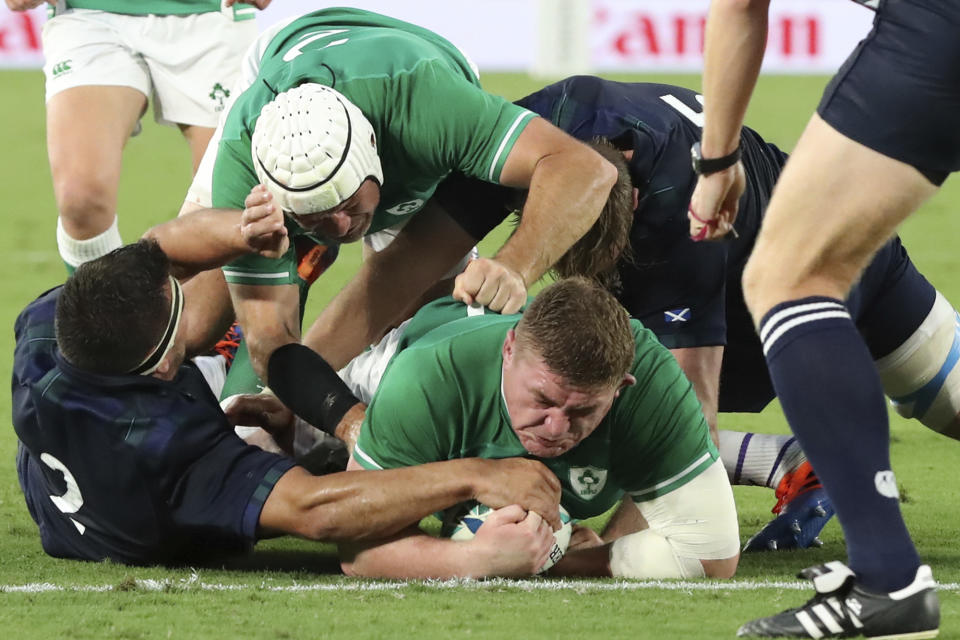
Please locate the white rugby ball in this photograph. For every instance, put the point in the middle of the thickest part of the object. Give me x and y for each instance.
(462, 521)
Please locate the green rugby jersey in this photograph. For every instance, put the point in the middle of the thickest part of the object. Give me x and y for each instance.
(417, 90)
(241, 11)
(441, 399)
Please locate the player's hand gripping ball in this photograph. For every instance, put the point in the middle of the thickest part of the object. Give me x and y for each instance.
(462, 521)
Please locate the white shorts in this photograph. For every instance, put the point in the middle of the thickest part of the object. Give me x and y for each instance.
(187, 64)
(201, 189)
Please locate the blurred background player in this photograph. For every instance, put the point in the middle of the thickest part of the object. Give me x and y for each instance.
(99, 375)
(882, 141)
(574, 383)
(407, 110)
(688, 293)
(104, 60)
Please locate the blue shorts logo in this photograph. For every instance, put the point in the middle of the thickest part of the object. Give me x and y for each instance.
(677, 315)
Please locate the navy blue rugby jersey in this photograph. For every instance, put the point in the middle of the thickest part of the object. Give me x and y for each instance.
(676, 287)
(131, 468)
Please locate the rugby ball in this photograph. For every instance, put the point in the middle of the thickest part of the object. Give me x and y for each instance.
(462, 521)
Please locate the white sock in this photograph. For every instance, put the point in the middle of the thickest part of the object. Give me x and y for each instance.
(75, 252)
(760, 459)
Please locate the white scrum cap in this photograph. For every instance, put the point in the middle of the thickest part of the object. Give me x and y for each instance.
(313, 149)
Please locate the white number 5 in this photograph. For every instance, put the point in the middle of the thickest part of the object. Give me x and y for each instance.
(71, 500)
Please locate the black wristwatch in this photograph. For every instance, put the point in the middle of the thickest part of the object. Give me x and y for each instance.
(705, 166)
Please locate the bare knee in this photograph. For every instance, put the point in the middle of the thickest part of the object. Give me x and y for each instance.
(87, 203)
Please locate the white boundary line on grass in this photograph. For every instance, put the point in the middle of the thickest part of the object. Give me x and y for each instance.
(195, 584)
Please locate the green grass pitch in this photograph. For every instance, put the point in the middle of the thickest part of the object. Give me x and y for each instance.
(289, 588)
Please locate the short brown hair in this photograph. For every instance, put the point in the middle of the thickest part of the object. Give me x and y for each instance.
(597, 253)
(113, 310)
(580, 331)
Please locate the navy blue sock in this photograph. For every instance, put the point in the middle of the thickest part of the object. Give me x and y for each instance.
(831, 394)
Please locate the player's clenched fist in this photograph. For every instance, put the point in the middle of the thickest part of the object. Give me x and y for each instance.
(491, 284)
(527, 483)
(262, 225)
(715, 202)
(511, 542)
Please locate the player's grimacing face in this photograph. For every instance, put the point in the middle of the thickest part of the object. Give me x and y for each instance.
(549, 415)
(348, 221)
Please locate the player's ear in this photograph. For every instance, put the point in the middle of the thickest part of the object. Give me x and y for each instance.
(509, 346)
(628, 381)
(163, 369)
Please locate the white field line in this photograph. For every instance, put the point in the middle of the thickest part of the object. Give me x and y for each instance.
(194, 583)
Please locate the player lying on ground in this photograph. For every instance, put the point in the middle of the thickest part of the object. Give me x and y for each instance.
(407, 110)
(575, 384)
(689, 293)
(125, 454)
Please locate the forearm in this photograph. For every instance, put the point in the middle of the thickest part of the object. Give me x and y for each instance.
(736, 36)
(386, 284)
(702, 366)
(565, 199)
(366, 505)
(201, 240)
(413, 555)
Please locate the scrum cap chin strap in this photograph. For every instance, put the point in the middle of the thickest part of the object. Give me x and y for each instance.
(155, 357)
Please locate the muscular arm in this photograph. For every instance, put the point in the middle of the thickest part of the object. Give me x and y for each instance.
(735, 40)
(568, 184)
(424, 250)
(373, 505)
(269, 316)
(510, 543)
(702, 367)
(200, 239)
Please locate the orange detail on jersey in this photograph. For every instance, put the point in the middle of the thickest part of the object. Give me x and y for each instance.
(314, 261)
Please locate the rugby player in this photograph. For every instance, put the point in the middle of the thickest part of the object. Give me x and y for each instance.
(574, 383)
(104, 60)
(125, 454)
(689, 294)
(882, 141)
(386, 110)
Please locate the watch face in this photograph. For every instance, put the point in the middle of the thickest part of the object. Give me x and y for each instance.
(695, 157)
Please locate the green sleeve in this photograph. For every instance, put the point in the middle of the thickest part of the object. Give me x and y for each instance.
(402, 427)
(661, 417)
(462, 125)
(233, 174)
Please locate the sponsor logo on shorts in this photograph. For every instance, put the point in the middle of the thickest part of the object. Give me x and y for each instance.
(404, 208)
(219, 95)
(62, 67)
(587, 481)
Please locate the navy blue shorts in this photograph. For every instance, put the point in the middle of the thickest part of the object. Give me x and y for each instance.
(888, 304)
(899, 91)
